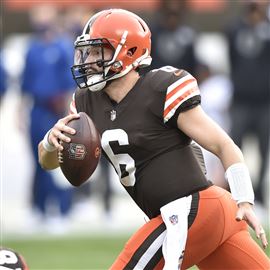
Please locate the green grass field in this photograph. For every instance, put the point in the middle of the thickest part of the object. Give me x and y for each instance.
(93, 252)
(66, 253)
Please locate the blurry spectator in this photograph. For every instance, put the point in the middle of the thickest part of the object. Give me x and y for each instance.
(172, 39)
(3, 79)
(107, 192)
(74, 19)
(48, 82)
(216, 94)
(70, 25)
(3, 75)
(249, 51)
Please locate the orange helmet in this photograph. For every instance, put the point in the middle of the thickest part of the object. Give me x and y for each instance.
(125, 33)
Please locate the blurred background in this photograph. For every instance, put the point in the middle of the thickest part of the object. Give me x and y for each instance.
(224, 44)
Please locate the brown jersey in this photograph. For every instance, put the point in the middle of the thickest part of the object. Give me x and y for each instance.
(140, 137)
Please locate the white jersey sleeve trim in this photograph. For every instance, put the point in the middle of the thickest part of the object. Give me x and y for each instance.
(172, 111)
(177, 93)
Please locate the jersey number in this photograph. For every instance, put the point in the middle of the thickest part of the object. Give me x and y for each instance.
(124, 164)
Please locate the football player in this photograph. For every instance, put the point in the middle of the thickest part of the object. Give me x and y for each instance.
(148, 123)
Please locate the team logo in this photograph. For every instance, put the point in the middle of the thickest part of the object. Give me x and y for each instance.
(173, 219)
(76, 151)
(113, 115)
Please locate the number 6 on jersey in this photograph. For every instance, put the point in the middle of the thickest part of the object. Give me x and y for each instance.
(124, 164)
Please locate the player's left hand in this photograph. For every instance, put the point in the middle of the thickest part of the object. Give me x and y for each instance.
(245, 212)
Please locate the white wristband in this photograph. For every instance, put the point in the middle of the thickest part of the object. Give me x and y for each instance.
(240, 183)
(46, 145)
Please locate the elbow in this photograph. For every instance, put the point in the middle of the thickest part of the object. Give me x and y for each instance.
(229, 143)
(226, 144)
(228, 150)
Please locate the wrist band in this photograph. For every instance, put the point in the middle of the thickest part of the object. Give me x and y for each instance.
(240, 183)
(46, 145)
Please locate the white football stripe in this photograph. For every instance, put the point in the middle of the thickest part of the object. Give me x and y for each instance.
(172, 111)
(150, 252)
(178, 82)
(179, 93)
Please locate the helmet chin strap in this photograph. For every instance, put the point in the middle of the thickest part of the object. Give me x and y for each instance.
(144, 60)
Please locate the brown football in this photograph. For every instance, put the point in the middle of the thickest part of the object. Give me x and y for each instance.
(81, 155)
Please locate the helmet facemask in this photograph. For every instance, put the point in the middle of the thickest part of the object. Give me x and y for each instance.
(93, 74)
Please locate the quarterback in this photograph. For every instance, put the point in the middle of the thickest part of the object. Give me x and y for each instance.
(149, 126)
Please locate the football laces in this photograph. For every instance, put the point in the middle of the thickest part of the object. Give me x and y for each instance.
(60, 154)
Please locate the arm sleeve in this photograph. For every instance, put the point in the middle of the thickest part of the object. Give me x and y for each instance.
(3, 79)
(28, 73)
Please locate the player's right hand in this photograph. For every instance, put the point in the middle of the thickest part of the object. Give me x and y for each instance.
(56, 134)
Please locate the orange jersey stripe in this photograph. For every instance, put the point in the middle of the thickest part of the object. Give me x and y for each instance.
(178, 88)
(177, 101)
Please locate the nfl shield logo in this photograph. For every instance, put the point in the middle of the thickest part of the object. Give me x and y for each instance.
(173, 219)
(76, 151)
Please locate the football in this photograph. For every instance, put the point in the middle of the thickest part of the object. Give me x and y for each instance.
(81, 155)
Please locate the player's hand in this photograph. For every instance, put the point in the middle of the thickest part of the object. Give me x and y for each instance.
(245, 212)
(56, 135)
